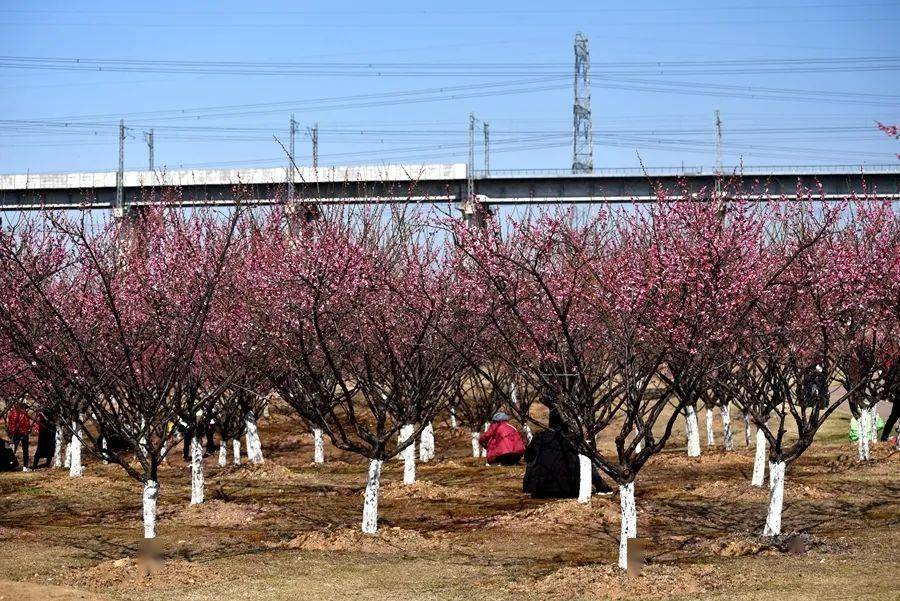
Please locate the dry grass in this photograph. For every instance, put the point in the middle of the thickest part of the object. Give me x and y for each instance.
(287, 530)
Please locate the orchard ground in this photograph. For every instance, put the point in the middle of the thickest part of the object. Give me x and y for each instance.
(288, 530)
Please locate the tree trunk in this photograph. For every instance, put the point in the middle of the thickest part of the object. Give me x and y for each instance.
(196, 469)
(629, 521)
(484, 449)
(776, 499)
(476, 446)
(584, 479)
(57, 449)
(865, 427)
(453, 424)
(236, 448)
(710, 433)
(759, 462)
(528, 433)
(409, 454)
(68, 461)
(254, 446)
(746, 417)
(692, 430)
(727, 432)
(426, 443)
(75, 468)
(223, 453)
(370, 502)
(151, 492)
(318, 446)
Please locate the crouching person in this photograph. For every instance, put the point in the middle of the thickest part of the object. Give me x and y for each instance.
(503, 443)
(552, 470)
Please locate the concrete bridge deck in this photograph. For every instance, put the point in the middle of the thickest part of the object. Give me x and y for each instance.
(437, 183)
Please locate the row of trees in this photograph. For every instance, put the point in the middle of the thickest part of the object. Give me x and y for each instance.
(368, 322)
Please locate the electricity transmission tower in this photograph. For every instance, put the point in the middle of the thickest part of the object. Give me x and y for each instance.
(470, 166)
(583, 145)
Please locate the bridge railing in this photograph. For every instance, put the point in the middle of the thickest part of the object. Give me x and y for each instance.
(749, 171)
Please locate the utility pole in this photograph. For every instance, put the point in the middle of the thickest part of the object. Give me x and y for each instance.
(583, 139)
(487, 148)
(291, 159)
(148, 138)
(718, 143)
(119, 208)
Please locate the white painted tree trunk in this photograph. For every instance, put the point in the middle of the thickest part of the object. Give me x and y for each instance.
(776, 499)
(103, 450)
(865, 427)
(318, 446)
(426, 443)
(223, 453)
(746, 417)
(629, 522)
(409, 454)
(370, 501)
(197, 484)
(485, 429)
(692, 429)
(453, 424)
(528, 433)
(76, 470)
(710, 432)
(759, 461)
(151, 492)
(57, 450)
(584, 479)
(727, 432)
(254, 446)
(236, 448)
(68, 462)
(476, 446)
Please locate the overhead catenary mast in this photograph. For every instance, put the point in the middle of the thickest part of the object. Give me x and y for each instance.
(292, 159)
(718, 143)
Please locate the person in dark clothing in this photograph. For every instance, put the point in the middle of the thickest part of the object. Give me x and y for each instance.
(892, 390)
(8, 461)
(552, 470)
(46, 443)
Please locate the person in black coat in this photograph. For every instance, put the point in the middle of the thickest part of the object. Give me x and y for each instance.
(46, 444)
(552, 466)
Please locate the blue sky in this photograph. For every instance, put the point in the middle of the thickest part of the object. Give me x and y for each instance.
(379, 82)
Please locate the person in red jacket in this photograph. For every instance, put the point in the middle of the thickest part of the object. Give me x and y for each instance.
(503, 443)
(19, 426)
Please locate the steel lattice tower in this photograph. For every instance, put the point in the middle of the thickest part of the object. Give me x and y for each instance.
(583, 146)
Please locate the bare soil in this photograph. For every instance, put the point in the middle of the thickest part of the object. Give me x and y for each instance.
(289, 529)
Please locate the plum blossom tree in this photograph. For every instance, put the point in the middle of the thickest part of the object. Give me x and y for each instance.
(116, 331)
(785, 371)
(359, 315)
